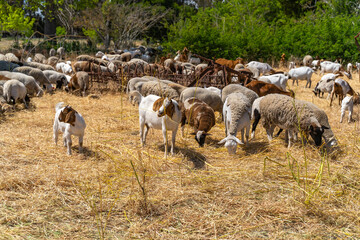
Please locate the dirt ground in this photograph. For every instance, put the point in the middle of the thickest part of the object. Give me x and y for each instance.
(118, 190)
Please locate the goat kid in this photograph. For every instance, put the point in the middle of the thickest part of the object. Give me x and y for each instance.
(69, 122)
(159, 113)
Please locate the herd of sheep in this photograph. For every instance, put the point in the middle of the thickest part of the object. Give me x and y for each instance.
(164, 104)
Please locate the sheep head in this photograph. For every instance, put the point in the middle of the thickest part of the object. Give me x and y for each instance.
(231, 143)
(316, 131)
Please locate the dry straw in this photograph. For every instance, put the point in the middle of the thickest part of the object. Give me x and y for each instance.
(118, 190)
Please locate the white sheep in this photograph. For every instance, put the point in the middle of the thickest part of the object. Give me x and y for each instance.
(289, 114)
(236, 112)
(31, 85)
(57, 78)
(301, 73)
(69, 122)
(215, 90)
(280, 80)
(159, 113)
(307, 60)
(15, 90)
(231, 88)
(37, 74)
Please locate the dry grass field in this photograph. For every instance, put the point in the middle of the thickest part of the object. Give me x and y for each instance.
(118, 190)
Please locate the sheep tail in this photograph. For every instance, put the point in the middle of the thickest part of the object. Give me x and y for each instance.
(59, 106)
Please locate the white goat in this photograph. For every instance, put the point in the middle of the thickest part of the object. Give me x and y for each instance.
(292, 65)
(262, 67)
(280, 80)
(159, 113)
(69, 122)
(301, 73)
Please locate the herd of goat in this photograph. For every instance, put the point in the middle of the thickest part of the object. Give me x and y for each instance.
(164, 104)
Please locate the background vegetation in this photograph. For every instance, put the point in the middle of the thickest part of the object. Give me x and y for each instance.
(256, 29)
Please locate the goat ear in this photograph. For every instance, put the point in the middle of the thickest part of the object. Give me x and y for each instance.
(324, 127)
(157, 104)
(206, 134)
(70, 117)
(193, 133)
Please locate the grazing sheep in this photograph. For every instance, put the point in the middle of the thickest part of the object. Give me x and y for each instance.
(14, 90)
(2, 57)
(348, 104)
(40, 58)
(158, 88)
(131, 83)
(7, 66)
(198, 115)
(159, 113)
(290, 114)
(61, 52)
(56, 78)
(301, 73)
(279, 80)
(31, 85)
(52, 61)
(69, 122)
(125, 57)
(236, 112)
(11, 57)
(307, 60)
(37, 74)
(231, 88)
(205, 95)
(79, 82)
(263, 88)
(40, 66)
(215, 90)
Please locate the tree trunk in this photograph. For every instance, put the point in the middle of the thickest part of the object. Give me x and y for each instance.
(50, 23)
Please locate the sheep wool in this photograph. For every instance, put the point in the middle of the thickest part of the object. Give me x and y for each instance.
(157, 88)
(285, 112)
(231, 88)
(239, 105)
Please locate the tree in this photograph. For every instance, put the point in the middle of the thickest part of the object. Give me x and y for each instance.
(121, 22)
(14, 21)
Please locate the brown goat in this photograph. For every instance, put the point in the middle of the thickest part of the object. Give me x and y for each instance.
(229, 63)
(79, 82)
(338, 91)
(200, 116)
(263, 88)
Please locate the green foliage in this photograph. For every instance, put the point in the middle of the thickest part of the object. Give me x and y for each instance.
(262, 29)
(60, 31)
(13, 20)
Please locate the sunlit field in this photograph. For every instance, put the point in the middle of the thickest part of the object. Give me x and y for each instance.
(116, 189)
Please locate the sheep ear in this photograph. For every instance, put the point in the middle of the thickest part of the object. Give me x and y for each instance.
(238, 141)
(222, 141)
